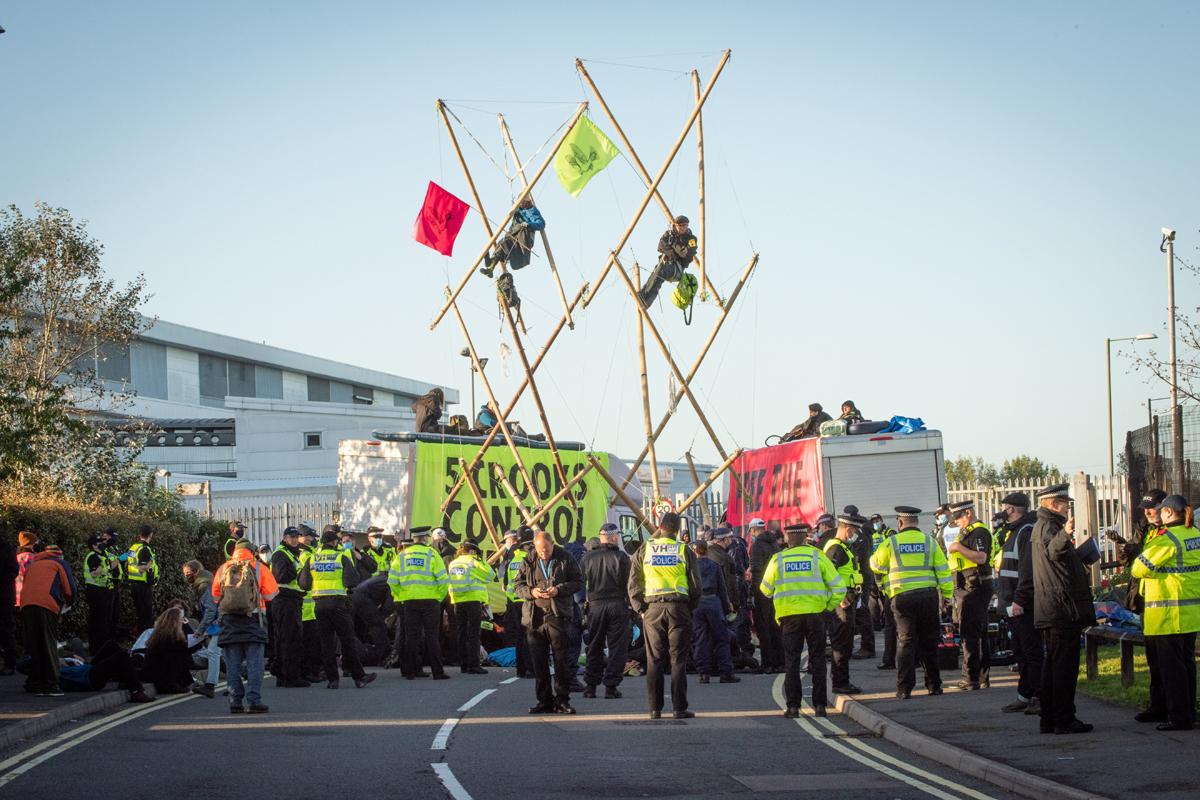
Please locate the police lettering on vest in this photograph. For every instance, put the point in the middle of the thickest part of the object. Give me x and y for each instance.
(664, 567)
(1169, 568)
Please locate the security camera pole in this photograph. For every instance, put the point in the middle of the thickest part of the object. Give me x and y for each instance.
(1168, 247)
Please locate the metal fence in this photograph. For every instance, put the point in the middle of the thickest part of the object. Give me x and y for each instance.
(265, 517)
(1150, 459)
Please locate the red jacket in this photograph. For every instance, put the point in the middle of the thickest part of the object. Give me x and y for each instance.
(48, 583)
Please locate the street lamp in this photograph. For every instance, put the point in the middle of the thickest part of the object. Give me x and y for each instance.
(466, 353)
(1141, 337)
(1167, 245)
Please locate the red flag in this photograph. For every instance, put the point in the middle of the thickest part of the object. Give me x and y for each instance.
(440, 219)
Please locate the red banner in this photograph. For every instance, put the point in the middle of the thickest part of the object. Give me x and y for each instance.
(781, 483)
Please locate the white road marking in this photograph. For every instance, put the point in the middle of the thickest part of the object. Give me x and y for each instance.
(451, 783)
(474, 701)
(443, 734)
(810, 729)
(513, 679)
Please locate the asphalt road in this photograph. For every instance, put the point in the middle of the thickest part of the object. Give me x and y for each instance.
(472, 737)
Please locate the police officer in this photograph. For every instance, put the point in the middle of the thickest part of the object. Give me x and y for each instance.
(380, 554)
(840, 620)
(141, 566)
(287, 611)
(237, 532)
(327, 576)
(880, 602)
(918, 581)
(970, 558)
(114, 551)
(804, 585)
(308, 613)
(469, 577)
(420, 575)
(98, 588)
(664, 587)
(1169, 569)
(1014, 595)
(515, 546)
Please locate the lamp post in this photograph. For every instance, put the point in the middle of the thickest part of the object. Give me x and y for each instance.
(466, 353)
(1108, 362)
(1168, 246)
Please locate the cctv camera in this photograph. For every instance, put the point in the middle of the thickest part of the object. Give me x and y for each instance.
(1168, 234)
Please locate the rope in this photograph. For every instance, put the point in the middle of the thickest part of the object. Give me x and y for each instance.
(467, 131)
(737, 201)
(636, 66)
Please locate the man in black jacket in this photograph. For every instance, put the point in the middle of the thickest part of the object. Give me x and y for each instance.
(606, 576)
(287, 611)
(676, 250)
(547, 580)
(1062, 608)
(428, 411)
(762, 550)
(1014, 593)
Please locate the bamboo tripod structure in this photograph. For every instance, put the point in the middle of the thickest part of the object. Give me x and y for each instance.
(532, 509)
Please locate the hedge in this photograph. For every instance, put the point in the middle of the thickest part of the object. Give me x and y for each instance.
(180, 535)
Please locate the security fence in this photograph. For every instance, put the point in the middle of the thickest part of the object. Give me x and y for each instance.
(1150, 455)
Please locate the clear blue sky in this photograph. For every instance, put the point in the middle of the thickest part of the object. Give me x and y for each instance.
(954, 203)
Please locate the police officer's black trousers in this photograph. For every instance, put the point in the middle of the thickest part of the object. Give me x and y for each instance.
(799, 630)
(667, 627)
(548, 638)
(467, 617)
(286, 610)
(608, 623)
(1176, 686)
(840, 623)
(1060, 674)
(422, 623)
(142, 594)
(312, 647)
(972, 627)
(918, 624)
(889, 631)
(514, 634)
(769, 636)
(99, 617)
(335, 624)
(1027, 647)
(866, 625)
(450, 642)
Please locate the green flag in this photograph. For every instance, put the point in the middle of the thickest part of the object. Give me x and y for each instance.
(584, 152)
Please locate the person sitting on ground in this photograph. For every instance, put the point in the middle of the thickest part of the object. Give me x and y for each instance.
(168, 663)
(516, 246)
(428, 410)
(676, 251)
(850, 413)
(112, 663)
(810, 427)
(206, 611)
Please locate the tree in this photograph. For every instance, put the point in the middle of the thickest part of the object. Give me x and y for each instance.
(1027, 469)
(975, 471)
(1187, 351)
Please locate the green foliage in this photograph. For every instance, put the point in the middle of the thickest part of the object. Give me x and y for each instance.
(965, 469)
(1018, 470)
(1107, 683)
(180, 535)
(1027, 469)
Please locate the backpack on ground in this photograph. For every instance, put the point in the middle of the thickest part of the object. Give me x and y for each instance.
(239, 588)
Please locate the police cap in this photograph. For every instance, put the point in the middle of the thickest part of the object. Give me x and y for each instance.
(1152, 498)
(1057, 490)
(853, 520)
(907, 511)
(961, 508)
(1176, 502)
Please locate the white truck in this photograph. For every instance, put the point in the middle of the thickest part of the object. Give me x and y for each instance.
(399, 480)
(802, 479)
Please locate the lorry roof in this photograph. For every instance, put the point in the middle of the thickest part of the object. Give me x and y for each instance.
(446, 438)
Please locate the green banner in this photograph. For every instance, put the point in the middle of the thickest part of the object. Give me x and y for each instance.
(437, 470)
(584, 152)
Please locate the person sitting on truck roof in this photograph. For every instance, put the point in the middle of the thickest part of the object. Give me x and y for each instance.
(810, 427)
(428, 410)
(850, 413)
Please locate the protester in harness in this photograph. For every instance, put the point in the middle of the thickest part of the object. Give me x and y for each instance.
(676, 250)
(428, 410)
(810, 426)
(516, 245)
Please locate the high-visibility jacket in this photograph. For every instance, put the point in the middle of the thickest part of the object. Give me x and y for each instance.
(958, 562)
(1169, 569)
(664, 567)
(1008, 560)
(308, 610)
(382, 557)
(912, 560)
(469, 578)
(327, 569)
(877, 537)
(298, 563)
(141, 573)
(510, 574)
(97, 559)
(802, 580)
(418, 573)
(851, 577)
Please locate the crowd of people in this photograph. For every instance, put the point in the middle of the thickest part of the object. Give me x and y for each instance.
(316, 608)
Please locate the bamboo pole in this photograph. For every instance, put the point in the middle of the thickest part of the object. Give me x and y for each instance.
(705, 511)
(641, 342)
(700, 208)
(653, 186)
(512, 148)
(507, 217)
(546, 506)
(637, 162)
(662, 345)
(516, 498)
(691, 498)
(479, 504)
(501, 421)
(512, 404)
(537, 398)
(487, 226)
(620, 494)
(662, 424)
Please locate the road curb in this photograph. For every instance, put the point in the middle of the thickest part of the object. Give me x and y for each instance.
(1002, 775)
(11, 735)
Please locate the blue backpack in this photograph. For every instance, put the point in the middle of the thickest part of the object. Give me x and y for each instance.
(532, 218)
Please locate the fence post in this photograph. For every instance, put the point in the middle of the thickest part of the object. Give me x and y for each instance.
(1084, 493)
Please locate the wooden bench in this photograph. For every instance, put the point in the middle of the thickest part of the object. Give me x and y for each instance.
(1128, 639)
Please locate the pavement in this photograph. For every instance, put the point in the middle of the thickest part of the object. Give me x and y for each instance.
(471, 737)
(24, 715)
